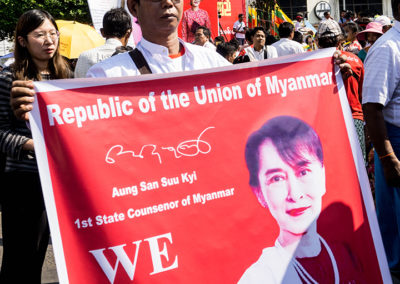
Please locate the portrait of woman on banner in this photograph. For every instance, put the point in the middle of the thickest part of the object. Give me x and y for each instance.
(193, 18)
(287, 175)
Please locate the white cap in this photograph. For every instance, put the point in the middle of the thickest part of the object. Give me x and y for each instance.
(383, 20)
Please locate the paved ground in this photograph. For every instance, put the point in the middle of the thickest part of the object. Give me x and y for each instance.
(49, 274)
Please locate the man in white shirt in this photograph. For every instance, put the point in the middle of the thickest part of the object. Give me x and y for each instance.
(202, 38)
(381, 104)
(239, 27)
(327, 16)
(258, 51)
(117, 27)
(160, 46)
(286, 45)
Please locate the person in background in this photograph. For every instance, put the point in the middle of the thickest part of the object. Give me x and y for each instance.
(219, 40)
(227, 50)
(370, 34)
(24, 222)
(202, 38)
(329, 35)
(259, 51)
(240, 28)
(117, 27)
(327, 16)
(299, 24)
(385, 22)
(342, 19)
(309, 43)
(349, 17)
(298, 37)
(362, 23)
(286, 45)
(352, 45)
(381, 103)
(192, 19)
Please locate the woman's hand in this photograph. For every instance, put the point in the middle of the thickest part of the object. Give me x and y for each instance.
(28, 146)
(21, 98)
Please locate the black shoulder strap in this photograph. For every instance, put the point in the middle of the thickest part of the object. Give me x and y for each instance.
(140, 62)
(265, 53)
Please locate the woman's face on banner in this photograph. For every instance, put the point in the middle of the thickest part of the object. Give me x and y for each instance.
(293, 193)
(195, 3)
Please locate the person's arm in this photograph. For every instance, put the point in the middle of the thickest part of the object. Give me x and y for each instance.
(376, 127)
(12, 144)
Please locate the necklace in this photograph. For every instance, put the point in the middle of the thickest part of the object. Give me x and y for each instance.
(302, 272)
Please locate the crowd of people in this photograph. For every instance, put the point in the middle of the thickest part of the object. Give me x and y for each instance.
(373, 92)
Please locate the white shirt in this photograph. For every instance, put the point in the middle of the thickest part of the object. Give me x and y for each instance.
(273, 267)
(240, 27)
(210, 46)
(90, 57)
(298, 25)
(287, 46)
(195, 57)
(259, 55)
(382, 74)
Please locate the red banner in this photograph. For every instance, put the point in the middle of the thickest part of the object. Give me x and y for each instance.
(146, 179)
(206, 15)
(229, 11)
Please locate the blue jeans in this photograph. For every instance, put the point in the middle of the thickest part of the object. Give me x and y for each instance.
(388, 205)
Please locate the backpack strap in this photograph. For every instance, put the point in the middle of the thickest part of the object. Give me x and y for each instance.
(265, 53)
(140, 62)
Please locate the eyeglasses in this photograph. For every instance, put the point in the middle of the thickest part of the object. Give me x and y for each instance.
(42, 36)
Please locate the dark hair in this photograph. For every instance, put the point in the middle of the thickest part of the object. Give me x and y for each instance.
(298, 36)
(395, 9)
(219, 39)
(348, 15)
(122, 49)
(328, 39)
(235, 43)
(256, 29)
(116, 23)
(285, 30)
(24, 67)
(353, 27)
(326, 13)
(206, 31)
(240, 15)
(248, 35)
(226, 49)
(292, 138)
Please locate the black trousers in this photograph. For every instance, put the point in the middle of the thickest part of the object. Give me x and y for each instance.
(25, 228)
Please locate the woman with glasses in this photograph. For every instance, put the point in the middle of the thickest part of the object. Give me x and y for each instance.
(24, 221)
